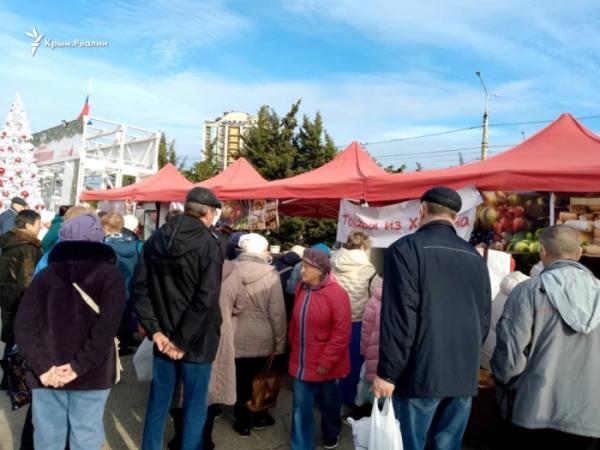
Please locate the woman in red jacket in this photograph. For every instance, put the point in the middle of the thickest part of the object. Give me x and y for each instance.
(319, 335)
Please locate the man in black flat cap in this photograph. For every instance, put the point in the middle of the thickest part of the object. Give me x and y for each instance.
(176, 294)
(435, 316)
(8, 217)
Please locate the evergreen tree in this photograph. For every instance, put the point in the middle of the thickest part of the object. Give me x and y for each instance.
(205, 169)
(314, 147)
(168, 154)
(269, 144)
(393, 169)
(18, 172)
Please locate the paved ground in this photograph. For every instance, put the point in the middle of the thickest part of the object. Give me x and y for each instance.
(125, 414)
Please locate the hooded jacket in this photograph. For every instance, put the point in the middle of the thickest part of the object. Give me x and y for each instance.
(507, 285)
(355, 273)
(285, 265)
(259, 313)
(369, 333)
(320, 331)
(547, 356)
(19, 253)
(55, 325)
(7, 220)
(51, 236)
(177, 285)
(222, 384)
(126, 250)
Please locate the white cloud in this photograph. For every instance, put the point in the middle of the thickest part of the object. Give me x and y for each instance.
(363, 107)
(167, 29)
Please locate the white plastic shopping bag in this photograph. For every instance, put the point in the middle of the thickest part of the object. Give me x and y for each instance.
(381, 431)
(385, 429)
(362, 390)
(361, 430)
(142, 361)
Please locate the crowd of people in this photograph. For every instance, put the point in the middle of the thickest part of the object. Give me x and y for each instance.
(221, 309)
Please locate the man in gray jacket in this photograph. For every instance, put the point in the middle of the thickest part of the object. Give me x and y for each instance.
(547, 358)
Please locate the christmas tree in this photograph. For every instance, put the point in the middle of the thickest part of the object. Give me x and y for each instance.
(18, 172)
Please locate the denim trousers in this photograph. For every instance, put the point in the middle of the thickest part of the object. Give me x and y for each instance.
(74, 414)
(441, 420)
(303, 421)
(195, 377)
(348, 385)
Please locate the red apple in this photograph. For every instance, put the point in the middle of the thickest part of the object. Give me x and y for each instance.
(498, 228)
(518, 224)
(507, 224)
(519, 211)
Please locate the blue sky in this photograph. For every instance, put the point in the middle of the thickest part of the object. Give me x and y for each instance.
(376, 70)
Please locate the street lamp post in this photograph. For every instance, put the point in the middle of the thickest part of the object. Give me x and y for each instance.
(484, 138)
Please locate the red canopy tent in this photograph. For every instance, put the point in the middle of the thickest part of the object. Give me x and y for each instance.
(241, 172)
(563, 157)
(166, 185)
(316, 193)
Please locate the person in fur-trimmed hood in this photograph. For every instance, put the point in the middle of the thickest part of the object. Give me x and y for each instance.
(20, 252)
(65, 330)
(355, 273)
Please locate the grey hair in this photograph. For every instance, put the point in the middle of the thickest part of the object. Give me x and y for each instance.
(560, 241)
(196, 210)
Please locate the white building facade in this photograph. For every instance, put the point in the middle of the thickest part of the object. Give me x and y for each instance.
(91, 153)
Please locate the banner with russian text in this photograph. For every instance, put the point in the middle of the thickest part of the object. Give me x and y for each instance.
(386, 224)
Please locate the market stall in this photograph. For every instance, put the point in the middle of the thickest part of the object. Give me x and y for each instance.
(166, 185)
(316, 193)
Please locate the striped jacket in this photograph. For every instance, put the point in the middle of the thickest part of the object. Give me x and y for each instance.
(319, 332)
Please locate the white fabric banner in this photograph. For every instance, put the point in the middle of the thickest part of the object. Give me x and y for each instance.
(388, 223)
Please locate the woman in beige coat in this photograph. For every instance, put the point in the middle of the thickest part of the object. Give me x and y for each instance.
(252, 294)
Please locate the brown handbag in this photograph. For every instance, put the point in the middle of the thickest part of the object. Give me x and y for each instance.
(265, 388)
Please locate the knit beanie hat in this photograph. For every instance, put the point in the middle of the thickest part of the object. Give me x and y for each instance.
(253, 243)
(318, 259)
(323, 247)
(86, 227)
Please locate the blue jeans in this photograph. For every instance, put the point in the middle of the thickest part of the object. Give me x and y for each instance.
(195, 379)
(443, 419)
(76, 414)
(349, 384)
(303, 421)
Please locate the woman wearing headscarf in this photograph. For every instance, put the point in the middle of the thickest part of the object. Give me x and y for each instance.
(319, 335)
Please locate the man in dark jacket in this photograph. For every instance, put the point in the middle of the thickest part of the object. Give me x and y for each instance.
(435, 316)
(20, 253)
(176, 294)
(65, 331)
(8, 217)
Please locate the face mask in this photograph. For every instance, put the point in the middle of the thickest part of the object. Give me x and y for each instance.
(217, 217)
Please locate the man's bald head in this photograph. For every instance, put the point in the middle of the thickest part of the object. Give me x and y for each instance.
(560, 242)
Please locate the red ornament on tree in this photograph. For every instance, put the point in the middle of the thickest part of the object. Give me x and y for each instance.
(24, 194)
(18, 160)
(2, 170)
(5, 193)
